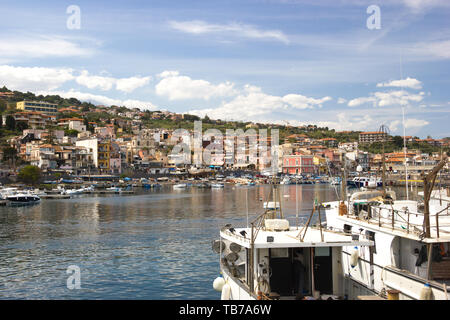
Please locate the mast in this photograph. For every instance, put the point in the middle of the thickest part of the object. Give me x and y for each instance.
(404, 153)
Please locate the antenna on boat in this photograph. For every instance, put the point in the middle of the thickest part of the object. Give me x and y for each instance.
(404, 132)
(404, 153)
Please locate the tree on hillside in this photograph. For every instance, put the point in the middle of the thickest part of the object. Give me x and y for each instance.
(10, 156)
(10, 123)
(21, 125)
(3, 105)
(29, 174)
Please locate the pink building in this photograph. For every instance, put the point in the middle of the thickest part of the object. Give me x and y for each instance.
(298, 164)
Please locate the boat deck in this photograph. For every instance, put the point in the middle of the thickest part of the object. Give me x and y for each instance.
(291, 238)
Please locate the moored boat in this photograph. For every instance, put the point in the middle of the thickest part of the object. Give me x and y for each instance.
(412, 242)
(270, 259)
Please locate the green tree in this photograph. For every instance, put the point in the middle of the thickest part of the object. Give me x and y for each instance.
(29, 174)
(10, 123)
(71, 132)
(10, 155)
(3, 105)
(21, 126)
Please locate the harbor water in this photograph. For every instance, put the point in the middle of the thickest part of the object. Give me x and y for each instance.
(154, 244)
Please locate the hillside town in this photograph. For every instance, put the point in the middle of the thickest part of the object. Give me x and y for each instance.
(61, 139)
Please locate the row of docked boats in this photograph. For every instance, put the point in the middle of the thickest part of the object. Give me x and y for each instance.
(367, 245)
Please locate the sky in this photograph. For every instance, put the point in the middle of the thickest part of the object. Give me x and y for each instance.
(344, 64)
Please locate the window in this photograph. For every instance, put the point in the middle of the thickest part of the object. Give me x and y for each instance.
(347, 228)
(279, 253)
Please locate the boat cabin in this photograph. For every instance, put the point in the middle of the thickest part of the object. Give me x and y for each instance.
(283, 262)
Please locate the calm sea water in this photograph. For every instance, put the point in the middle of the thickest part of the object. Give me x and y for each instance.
(150, 245)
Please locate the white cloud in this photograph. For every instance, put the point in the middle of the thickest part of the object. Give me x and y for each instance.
(39, 46)
(415, 123)
(233, 29)
(409, 123)
(404, 83)
(176, 87)
(419, 5)
(34, 78)
(106, 83)
(130, 84)
(359, 101)
(100, 99)
(301, 102)
(438, 49)
(255, 105)
(341, 100)
(392, 98)
(95, 82)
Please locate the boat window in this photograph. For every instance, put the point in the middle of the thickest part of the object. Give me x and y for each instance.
(347, 228)
(279, 253)
(322, 252)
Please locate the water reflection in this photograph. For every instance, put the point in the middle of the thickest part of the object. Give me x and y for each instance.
(152, 245)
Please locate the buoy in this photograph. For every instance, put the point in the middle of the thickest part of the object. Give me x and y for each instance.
(218, 283)
(354, 257)
(226, 292)
(425, 293)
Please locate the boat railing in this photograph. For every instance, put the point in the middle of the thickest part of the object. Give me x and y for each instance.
(407, 220)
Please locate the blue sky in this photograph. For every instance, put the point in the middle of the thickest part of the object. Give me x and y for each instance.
(296, 62)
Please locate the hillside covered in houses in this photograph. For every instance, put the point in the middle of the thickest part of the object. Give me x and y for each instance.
(60, 135)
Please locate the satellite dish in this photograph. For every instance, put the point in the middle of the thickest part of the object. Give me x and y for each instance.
(234, 247)
(218, 245)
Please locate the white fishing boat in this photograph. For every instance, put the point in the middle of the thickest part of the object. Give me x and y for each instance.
(180, 186)
(411, 255)
(270, 259)
(217, 185)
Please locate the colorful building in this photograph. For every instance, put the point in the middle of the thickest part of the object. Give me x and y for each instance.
(298, 164)
(40, 106)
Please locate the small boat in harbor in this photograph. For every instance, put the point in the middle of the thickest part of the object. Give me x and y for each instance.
(22, 199)
(114, 189)
(217, 185)
(180, 186)
(366, 182)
